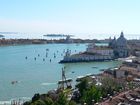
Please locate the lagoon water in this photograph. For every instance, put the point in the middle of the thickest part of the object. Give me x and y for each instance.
(38, 76)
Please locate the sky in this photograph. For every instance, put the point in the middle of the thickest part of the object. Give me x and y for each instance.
(79, 17)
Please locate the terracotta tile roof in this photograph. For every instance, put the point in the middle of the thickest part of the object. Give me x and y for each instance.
(123, 97)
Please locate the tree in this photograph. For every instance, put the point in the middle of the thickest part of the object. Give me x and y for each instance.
(35, 97)
(27, 103)
(38, 102)
(72, 103)
(82, 86)
(94, 93)
(48, 101)
(62, 99)
(110, 85)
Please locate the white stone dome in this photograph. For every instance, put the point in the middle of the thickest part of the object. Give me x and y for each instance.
(121, 41)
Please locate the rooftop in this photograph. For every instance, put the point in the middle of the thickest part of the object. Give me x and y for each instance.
(124, 98)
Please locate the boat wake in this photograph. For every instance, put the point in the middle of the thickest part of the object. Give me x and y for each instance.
(48, 84)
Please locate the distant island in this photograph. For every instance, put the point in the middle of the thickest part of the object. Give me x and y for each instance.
(7, 42)
(57, 35)
(1, 35)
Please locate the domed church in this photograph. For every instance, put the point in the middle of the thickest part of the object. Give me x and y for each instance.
(119, 46)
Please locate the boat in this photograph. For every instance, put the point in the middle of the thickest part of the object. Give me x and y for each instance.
(95, 67)
(72, 72)
(64, 83)
(14, 82)
(80, 78)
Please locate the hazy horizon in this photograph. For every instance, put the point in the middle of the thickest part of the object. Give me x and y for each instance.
(100, 36)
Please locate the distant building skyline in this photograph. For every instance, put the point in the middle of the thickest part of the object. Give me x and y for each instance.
(84, 18)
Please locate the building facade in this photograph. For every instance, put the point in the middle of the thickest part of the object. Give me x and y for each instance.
(102, 50)
(119, 46)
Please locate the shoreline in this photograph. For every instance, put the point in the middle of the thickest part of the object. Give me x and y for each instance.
(8, 42)
(15, 42)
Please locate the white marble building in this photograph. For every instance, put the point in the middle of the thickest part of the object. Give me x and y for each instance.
(102, 50)
(119, 46)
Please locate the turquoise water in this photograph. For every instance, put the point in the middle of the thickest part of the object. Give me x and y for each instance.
(39, 76)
